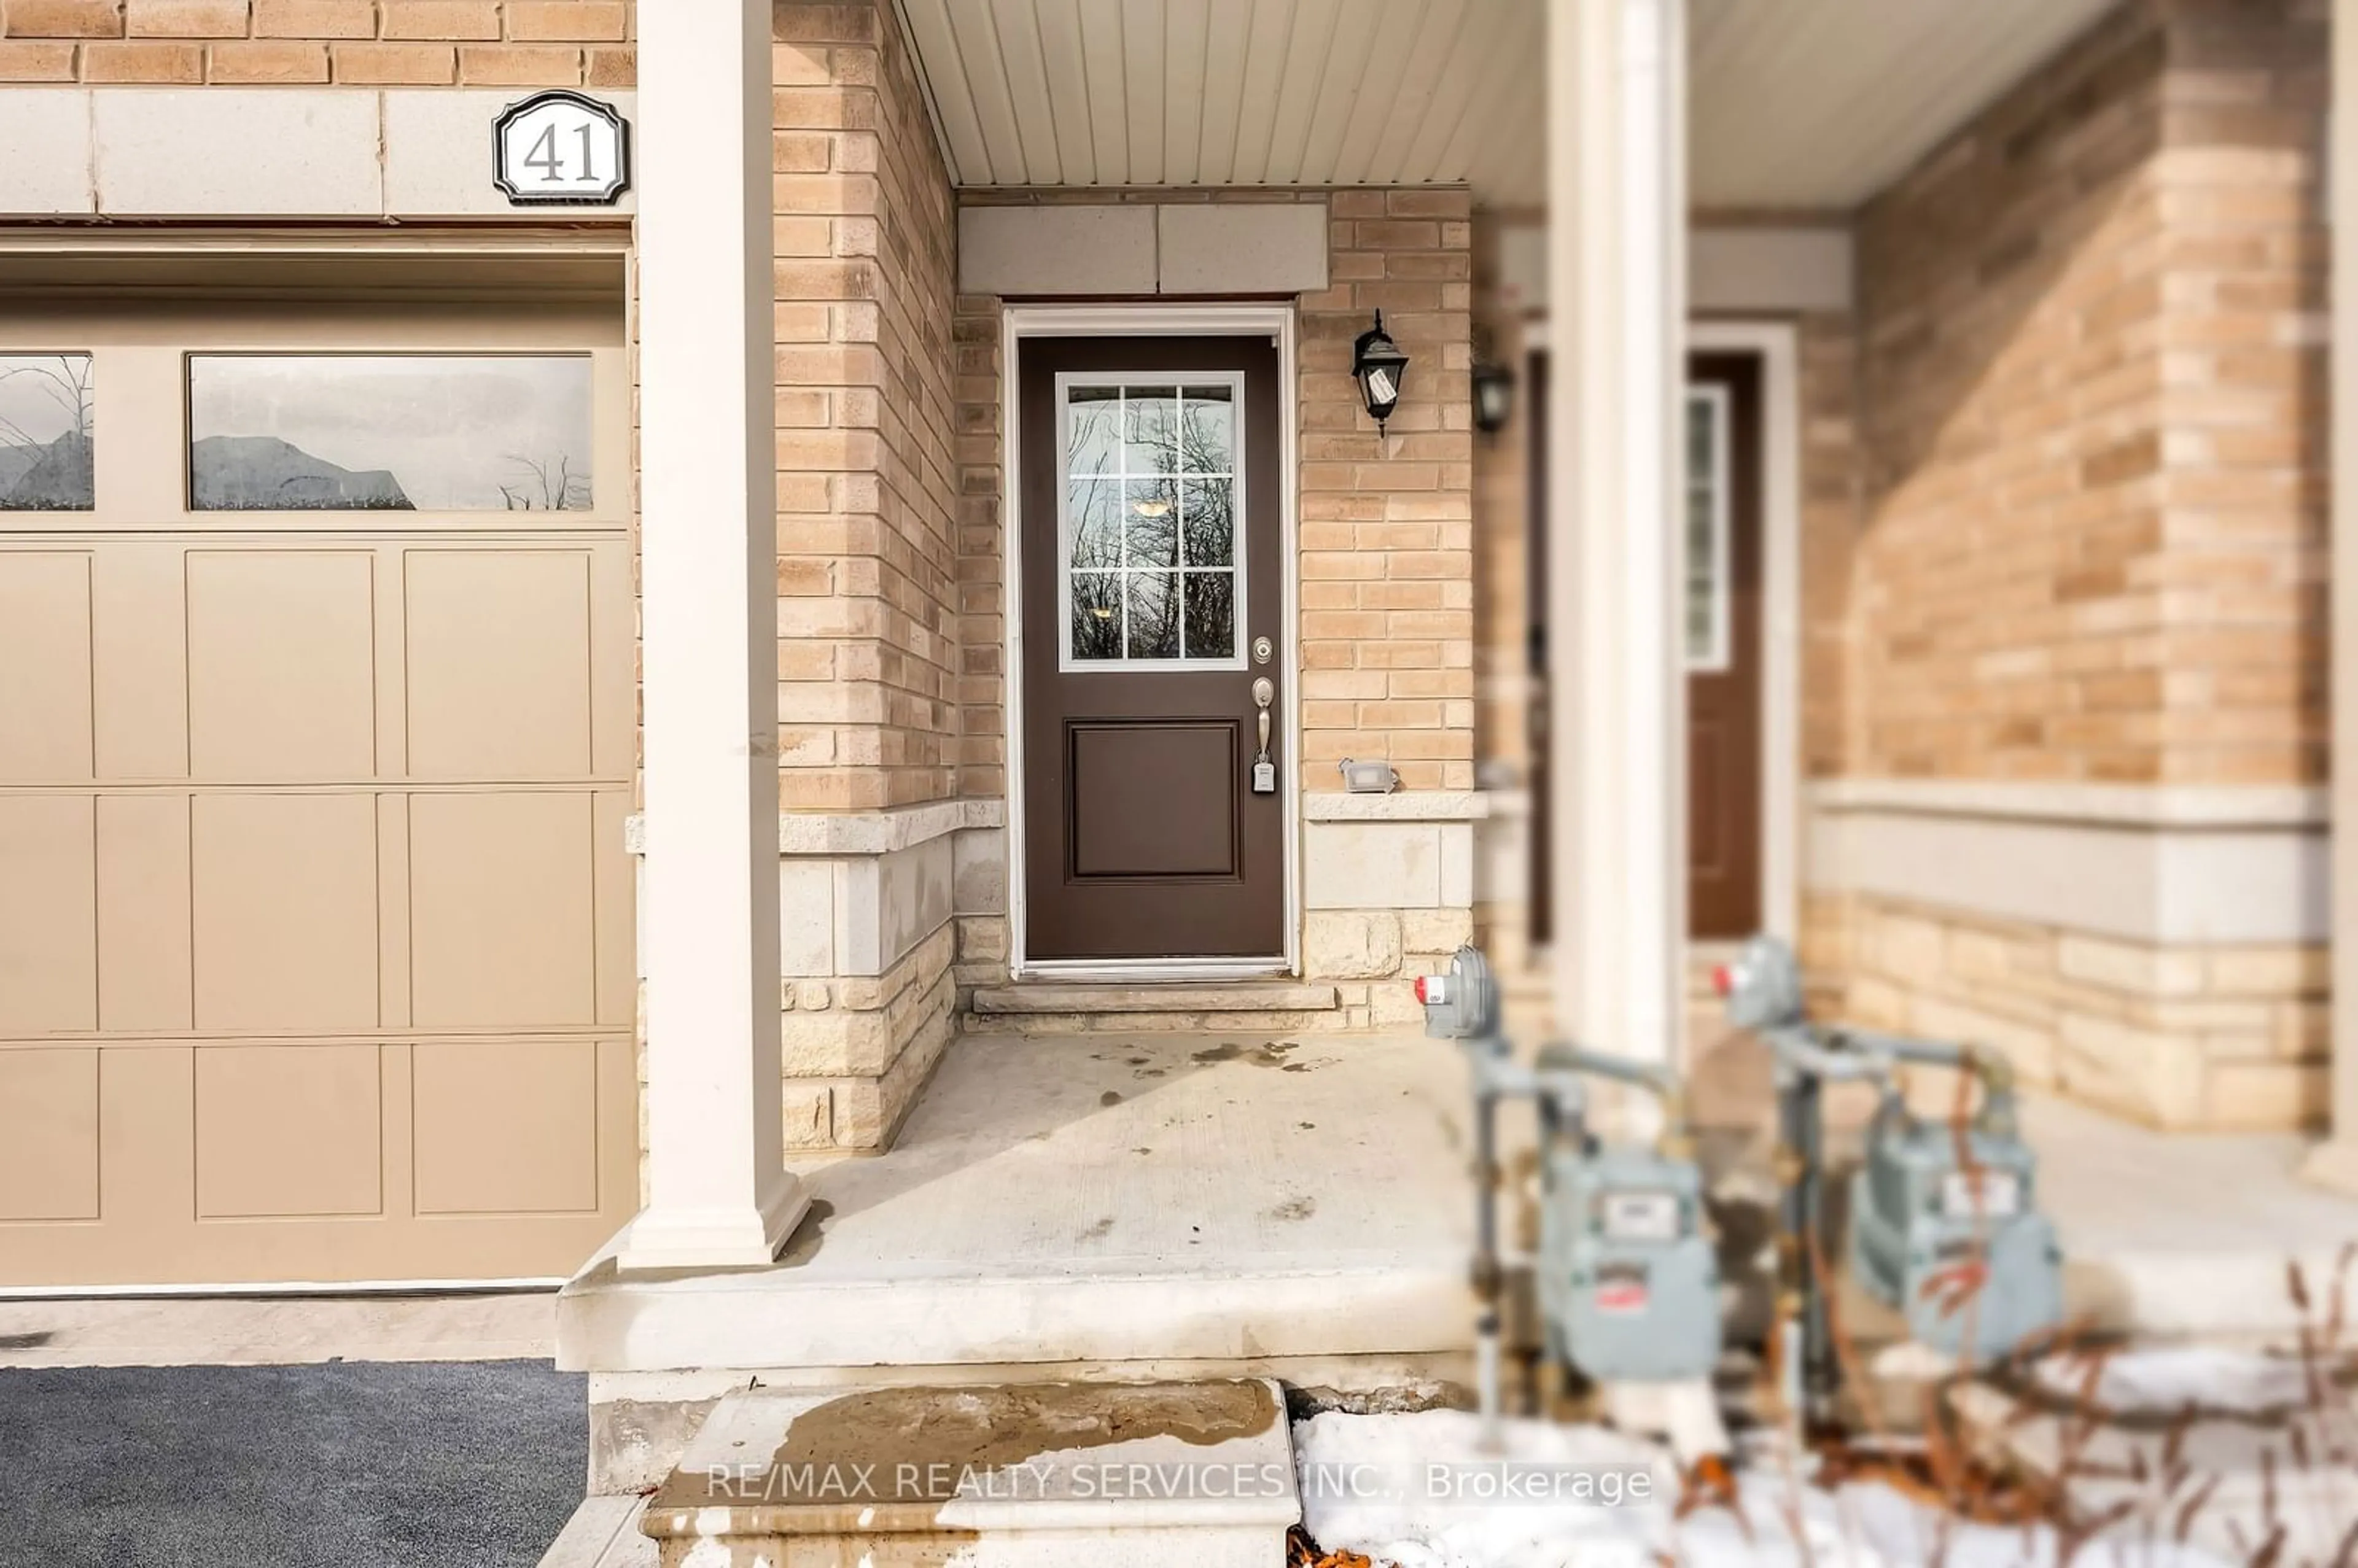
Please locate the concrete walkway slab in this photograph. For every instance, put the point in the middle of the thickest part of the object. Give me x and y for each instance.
(242, 1331)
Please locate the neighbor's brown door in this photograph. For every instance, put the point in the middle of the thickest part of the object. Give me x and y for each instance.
(1723, 644)
(1722, 515)
(1151, 602)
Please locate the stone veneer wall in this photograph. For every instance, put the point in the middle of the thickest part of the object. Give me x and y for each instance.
(867, 629)
(2092, 555)
(1386, 610)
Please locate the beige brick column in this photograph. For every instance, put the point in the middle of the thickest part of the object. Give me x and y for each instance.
(2335, 1163)
(1617, 216)
(717, 1190)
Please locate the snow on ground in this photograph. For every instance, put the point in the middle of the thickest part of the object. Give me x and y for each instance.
(1413, 1490)
(2166, 1382)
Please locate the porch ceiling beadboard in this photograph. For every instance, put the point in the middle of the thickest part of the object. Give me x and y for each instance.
(1798, 103)
(1822, 103)
(1172, 92)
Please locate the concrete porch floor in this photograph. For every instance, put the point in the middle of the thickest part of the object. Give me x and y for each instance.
(1144, 1207)
(1113, 1198)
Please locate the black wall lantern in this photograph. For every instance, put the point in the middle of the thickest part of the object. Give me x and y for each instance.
(1377, 363)
(1494, 386)
(1494, 396)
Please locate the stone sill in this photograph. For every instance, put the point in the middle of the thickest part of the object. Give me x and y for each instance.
(2122, 806)
(859, 832)
(1400, 805)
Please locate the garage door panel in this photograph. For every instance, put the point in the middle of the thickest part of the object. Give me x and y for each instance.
(282, 665)
(502, 922)
(498, 663)
(506, 1127)
(139, 653)
(145, 983)
(316, 920)
(49, 1162)
(45, 724)
(289, 1131)
(49, 913)
(284, 894)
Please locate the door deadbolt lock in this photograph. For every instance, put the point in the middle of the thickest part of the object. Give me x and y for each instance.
(1262, 649)
(1264, 772)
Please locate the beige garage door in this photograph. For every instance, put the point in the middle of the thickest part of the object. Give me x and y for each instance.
(315, 749)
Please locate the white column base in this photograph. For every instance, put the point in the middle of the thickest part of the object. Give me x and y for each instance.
(714, 1237)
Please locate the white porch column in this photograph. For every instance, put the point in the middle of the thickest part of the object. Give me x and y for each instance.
(717, 1190)
(2336, 1162)
(1617, 283)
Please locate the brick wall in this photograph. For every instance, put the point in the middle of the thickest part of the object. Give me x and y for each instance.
(489, 43)
(867, 613)
(2092, 548)
(1388, 521)
(2091, 399)
(1827, 369)
(868, 633)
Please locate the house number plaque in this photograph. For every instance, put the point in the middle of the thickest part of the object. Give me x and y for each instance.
(561, 149)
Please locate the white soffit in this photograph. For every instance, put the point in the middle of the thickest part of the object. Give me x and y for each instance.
(1822, 103)
(1174, 92)
(1795, 103)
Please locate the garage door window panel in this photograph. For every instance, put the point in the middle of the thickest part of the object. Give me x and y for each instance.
(390, 433)
(47, 420)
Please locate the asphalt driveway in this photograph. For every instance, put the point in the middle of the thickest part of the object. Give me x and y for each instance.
(359, 1465)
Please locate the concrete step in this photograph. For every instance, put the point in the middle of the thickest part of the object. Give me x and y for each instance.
(1093, 998)
(1012, 1475)
(602, 1533)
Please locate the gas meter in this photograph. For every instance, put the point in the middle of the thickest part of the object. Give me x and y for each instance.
(1942, 1228)
(1629, 1281)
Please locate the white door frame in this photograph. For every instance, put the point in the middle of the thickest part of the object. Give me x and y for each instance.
(1779, 345)
(1018, 322)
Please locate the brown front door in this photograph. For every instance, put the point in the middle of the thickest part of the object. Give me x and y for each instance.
(1150, 595)
(1723, 644)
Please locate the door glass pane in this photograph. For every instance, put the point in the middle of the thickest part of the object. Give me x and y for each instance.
(1153, 523)
(46, 433)
(1096, 516)
(1208, 514)
(1151, 423)
(1153, 631)
(1707, 528)
(389, 433)
(1207, 430)
(1211, 629)
(1097, 615)
(1093, 431)
(1151, 532)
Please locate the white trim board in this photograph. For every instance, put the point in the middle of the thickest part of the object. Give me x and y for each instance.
(2166, 886)
(1016, 323)
(2126, 806)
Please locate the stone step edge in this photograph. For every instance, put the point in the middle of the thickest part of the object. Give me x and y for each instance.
(744, 1439)
(1093, 997)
